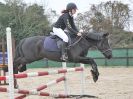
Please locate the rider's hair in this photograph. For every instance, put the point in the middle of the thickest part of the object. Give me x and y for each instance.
(64, 11)
(69, 8)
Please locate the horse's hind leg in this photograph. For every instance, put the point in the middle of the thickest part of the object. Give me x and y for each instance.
(17, 63)
(20, 64)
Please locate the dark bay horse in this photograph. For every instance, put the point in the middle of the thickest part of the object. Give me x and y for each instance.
(31, 49)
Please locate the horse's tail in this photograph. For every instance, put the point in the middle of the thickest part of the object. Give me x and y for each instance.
(18, 50)
(17, 54)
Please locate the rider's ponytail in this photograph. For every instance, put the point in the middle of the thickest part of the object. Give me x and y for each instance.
(64, 11)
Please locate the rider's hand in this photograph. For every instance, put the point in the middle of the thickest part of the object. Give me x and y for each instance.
(79, 34)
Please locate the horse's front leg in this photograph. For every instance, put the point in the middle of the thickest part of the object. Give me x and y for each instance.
(94, 71)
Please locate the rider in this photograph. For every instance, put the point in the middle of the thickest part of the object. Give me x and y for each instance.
(66, 21)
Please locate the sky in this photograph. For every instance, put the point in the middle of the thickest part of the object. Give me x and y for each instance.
(58, 5)
(83, 5)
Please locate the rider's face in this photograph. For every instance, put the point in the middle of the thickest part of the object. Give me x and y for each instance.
(74, 11)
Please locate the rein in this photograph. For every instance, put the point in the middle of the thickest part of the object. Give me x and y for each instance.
(81, 37)
(106, 51)
(75, 41)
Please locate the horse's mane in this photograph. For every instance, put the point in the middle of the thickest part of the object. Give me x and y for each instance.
(95, 36)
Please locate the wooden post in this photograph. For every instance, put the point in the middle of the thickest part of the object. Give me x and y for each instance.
(4, 57)
(3, 64)
(3, 51)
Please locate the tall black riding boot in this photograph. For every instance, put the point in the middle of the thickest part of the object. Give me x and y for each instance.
(64, 51)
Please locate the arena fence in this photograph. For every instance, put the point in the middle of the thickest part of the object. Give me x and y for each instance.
(121, 57)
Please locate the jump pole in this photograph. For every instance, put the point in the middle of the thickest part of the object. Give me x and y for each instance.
(82, 79)
(10, 62)
(43, 73)
(44, 86)
(64, 65)
(33, 92)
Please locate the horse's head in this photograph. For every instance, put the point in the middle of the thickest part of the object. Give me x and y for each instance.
(104, 46)
(101, 42)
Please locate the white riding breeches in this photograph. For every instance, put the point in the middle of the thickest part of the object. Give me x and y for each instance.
(60, 33)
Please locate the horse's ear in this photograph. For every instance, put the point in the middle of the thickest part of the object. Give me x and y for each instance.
(105, 34)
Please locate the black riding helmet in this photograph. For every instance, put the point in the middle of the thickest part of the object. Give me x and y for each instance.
(71, 6)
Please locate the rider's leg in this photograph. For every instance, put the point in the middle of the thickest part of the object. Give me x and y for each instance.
(60, 33)
(64, 51)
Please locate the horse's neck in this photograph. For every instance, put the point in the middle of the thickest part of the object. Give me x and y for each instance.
(87, 44)
(81, 43)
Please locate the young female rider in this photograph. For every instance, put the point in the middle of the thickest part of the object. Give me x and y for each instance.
(66, 21)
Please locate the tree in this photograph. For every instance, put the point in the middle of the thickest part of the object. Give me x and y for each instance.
(112, 17)
(116, 13)
(24, 20)
(5, 15)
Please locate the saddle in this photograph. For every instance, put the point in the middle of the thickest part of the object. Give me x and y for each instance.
(53, 43)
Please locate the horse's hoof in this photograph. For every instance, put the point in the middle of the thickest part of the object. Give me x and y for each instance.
(22, 69)
(94, 75)
(16, 86)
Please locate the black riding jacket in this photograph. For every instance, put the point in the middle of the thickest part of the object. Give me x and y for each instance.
(66, 21)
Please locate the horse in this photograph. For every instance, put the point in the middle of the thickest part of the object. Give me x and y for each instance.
(32, 49)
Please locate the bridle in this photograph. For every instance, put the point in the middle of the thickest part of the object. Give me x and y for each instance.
(106, 51)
